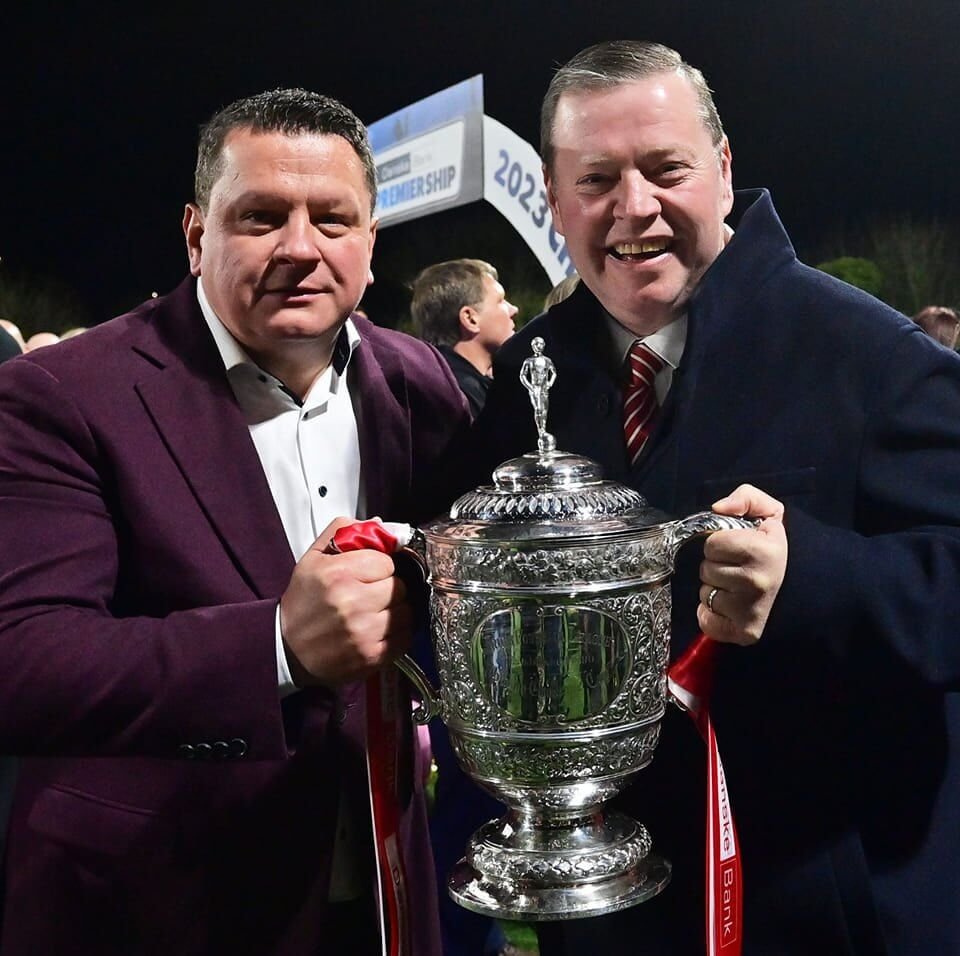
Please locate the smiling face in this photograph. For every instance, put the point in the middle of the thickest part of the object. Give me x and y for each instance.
(283, 249)
(640, 192)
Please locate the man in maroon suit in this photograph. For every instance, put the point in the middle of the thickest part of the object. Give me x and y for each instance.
(182, 662)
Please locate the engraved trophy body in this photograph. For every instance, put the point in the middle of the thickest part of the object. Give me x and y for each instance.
(550, 608)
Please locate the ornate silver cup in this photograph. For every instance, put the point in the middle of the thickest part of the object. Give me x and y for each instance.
(550, 608)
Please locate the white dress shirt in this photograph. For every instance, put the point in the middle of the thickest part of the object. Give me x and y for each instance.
(668, 342)
(310, 453)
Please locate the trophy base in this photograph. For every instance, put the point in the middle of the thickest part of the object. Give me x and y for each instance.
(567, 871)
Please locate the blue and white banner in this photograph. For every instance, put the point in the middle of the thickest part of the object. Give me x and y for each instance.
(442, 152)
(513, 185)
(429, 155)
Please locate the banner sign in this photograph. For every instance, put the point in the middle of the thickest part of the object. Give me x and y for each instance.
(442, 152)
(429, 155)
(513, 185)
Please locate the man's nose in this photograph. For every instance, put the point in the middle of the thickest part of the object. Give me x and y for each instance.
(638, 197)
(297, 241)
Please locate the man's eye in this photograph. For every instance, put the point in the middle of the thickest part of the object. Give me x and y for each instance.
(671, 171)
(259, 217)
(593, 181)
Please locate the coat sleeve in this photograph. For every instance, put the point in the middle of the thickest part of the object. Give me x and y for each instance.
(83, 674)
(894, 577)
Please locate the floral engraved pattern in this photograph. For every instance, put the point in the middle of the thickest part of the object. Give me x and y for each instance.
(493, 564)
(540, 764)
(491, 504)
(560, 870)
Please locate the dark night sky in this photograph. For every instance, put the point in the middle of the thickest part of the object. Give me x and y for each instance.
(847, 110)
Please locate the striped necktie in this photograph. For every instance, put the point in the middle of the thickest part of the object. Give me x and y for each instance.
(639, 398)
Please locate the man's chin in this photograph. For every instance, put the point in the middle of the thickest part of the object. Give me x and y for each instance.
(295, 323)
(642, 313)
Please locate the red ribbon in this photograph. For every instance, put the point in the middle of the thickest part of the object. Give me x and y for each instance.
(384, 716)
(690, 681)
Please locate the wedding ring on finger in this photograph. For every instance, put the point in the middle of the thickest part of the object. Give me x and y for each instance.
(710, 597)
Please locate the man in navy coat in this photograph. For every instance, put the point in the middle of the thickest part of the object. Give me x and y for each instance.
(182, 663)
(787, 395)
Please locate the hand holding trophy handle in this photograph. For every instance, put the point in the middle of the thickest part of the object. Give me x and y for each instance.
(394, 538)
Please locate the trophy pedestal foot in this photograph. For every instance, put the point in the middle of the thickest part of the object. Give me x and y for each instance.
(568, 871)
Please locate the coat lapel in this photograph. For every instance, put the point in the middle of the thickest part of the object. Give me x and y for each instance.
(380, 385)
(187, 395)
(589, 418)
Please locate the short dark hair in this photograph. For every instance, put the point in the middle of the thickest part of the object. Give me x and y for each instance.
(292, 112)
(439, 293)
(613, 63)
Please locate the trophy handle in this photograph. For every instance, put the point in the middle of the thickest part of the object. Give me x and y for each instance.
(429, 706)
(700, 525)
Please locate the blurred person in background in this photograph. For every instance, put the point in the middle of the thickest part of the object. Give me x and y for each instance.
(460, 307)
(13, 331)
(9, 346)
(72, 333)
(561, 291)
(941, 323)
(41, 340)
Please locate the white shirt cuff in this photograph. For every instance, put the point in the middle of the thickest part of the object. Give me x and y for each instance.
(284, 679)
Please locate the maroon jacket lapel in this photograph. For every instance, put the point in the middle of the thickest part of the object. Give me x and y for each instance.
(187, 395)
(384, 425)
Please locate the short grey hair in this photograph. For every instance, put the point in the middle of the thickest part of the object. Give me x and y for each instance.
(613, 63)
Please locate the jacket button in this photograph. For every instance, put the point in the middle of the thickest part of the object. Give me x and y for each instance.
(204, 751)
(237, 747)
(339, 714)
(221, 750)
(187, 751)
(603, 404)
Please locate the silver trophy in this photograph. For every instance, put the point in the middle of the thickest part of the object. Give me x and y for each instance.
(550, 608)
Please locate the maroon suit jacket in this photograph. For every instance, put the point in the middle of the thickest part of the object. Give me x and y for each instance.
(166, 802)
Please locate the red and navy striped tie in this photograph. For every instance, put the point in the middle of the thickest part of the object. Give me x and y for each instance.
(639, 398)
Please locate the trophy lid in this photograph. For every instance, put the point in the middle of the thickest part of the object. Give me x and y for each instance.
(547, 493)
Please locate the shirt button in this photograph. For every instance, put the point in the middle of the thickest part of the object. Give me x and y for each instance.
(322, 491)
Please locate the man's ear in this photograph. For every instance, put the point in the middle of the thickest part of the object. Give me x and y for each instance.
(552, 201)
(371, 240)
(193, 233)
(726, 173)
(468, 322)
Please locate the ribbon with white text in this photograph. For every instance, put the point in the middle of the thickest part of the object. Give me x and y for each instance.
(690, 681)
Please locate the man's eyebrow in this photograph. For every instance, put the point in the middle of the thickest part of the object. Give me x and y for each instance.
(255, 196)
(659, 152)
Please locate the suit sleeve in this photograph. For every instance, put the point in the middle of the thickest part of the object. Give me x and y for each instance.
(894, 578)
(83, 674)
